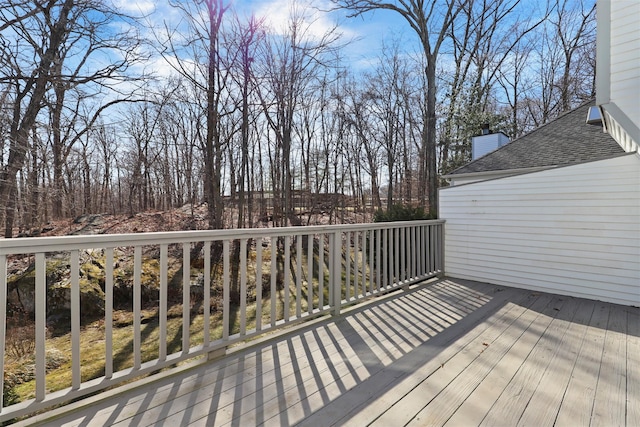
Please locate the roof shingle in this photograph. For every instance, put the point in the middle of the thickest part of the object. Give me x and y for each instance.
(561, 142)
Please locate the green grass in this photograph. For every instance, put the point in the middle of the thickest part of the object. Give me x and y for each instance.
(92, 336)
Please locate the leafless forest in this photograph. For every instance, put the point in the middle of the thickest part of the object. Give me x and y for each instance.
(108, 111)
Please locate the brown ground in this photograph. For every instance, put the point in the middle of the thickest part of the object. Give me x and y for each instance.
(184, 218)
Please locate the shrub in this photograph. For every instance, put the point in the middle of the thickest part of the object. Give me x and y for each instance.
(401, 213)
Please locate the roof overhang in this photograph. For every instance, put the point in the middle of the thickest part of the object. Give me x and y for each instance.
(621, 128)
(494, 173)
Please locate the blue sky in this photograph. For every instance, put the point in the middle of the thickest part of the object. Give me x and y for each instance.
(364, 34)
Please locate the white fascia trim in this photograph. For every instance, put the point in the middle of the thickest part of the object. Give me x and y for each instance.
(603, 52)
(485, 174)
(621, 128)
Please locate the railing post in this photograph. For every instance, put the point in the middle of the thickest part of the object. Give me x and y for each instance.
(405, 257)
(441, 249)
(137, 306)
(108, 313)
(75, 320)
(3, 319)
(41, 324)
(336, 282)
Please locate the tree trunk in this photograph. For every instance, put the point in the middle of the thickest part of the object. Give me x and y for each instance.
(22, 125)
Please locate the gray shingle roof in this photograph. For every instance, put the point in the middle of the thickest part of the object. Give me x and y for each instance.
(563, 141)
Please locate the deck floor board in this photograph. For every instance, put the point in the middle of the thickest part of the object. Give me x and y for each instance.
(450, 352)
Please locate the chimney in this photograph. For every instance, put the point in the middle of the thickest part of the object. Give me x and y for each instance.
(487, 142)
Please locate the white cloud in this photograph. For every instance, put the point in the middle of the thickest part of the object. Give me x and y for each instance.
(277, 15)
(135, 6)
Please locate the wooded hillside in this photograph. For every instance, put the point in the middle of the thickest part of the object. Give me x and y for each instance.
(105, 110)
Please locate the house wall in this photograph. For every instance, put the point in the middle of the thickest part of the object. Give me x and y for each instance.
(625, 57)
(572, 230)
(618, 69)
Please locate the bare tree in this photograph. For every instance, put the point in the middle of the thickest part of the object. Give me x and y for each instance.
(431, 21)
(290, 64)
(62, 37)
(574, 26)
(29, 86)
(210, 73)
(248, 36)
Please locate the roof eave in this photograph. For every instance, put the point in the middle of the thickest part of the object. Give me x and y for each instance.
(483, 174)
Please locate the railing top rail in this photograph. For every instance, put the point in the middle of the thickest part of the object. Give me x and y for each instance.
(61, 243)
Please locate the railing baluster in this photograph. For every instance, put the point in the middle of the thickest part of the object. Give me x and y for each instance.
(162, 309)
(75, 319)
(287, 277)
(414, 244)
(186, 295)
(436, 250)
(365, 260)
(3, 321)
(207, 295)
(361, 264)
(408, 254)
(441, 247)
(356, 264)
(370, 260)
(412, 253)
(243, 287)
(298, 275)
(330, 254)
(225, 290)
(429, 250)
(420, 250)
(108, 313)
(396, 247)
(274, 272)
(362, 280)
(41, 326)
(434, 255)
(378, 263)
(258, 284)
(347, 265)
(137, 277)
(310, 273)
(336, 284)
(385, 256)
(406, 258)
(321, 272)
(408, 266)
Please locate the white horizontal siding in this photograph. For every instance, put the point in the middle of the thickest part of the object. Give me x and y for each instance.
(573, 230)
(625, 57)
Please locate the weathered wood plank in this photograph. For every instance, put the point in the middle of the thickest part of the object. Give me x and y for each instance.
(543, 407)
(273, 365)
(453, 353)
(244, 408)
(633, 367)
(611, 393)
(470, 367)
(577, 402)
(372, 409)
(473, 410)
(516, 395)
(220, 375)
(232, 383)
(428, 354)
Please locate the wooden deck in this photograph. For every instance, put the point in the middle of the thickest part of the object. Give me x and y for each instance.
(452, 353)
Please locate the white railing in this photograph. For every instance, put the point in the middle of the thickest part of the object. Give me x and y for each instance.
(327, 267)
